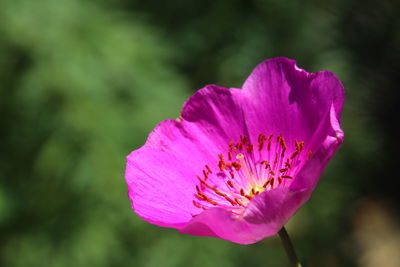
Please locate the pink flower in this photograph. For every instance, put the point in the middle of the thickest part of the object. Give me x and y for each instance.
(238, 163)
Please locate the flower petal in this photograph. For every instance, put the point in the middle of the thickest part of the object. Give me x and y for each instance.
(217, 112)
(332, 137)
(289, 100)
(265, 216)
(158, 189)
(209, 120)
(161, 176)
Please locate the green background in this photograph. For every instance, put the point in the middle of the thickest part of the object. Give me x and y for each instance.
(82, 83)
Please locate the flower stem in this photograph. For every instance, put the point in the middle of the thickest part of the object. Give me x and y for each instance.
(287, 244)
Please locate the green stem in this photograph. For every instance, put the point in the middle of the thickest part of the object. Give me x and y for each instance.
(287, 244)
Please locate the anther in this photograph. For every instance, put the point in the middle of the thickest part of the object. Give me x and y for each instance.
(197, 205)
(260, 138)
(276, 158)
(294, 154)
(221, 165)
(238, 202)
(198, 189)
(203, 186)
(208, 169)
(201, 196)
(219, 192)
(301, 145)
(229, 182)
(242, 192)
(244, 139)
(240, 146)
(283, 143)
(287, 164)
(256, 192)
(236, 165)
(215, 203)
(250, 148)
(230, 145)
(260, 146)
(233, 203)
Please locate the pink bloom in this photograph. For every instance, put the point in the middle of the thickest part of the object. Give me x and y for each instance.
(238, 163)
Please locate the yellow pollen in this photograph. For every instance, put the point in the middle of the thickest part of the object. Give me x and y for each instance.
(256, 190)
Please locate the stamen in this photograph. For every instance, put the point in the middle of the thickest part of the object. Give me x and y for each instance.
(250, 148)
(236, 165)
(294, 154)
(260, 146)
(197, 205)
(239, 202)
(242, 192)
(215, 203)
(219, 192)
(233, 203)
(276, 158)
(208, 169)
(249, 170)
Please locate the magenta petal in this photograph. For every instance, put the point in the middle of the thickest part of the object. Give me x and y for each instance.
(161, 176)
(333, 136)
(300, 105)
(265, 216)
(159, 192)
(293, 102)
(218, 113)
(209, 120)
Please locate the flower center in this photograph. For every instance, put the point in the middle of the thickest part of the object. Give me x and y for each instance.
(247, 170)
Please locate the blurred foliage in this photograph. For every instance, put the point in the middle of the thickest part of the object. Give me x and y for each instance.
(83, 82)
